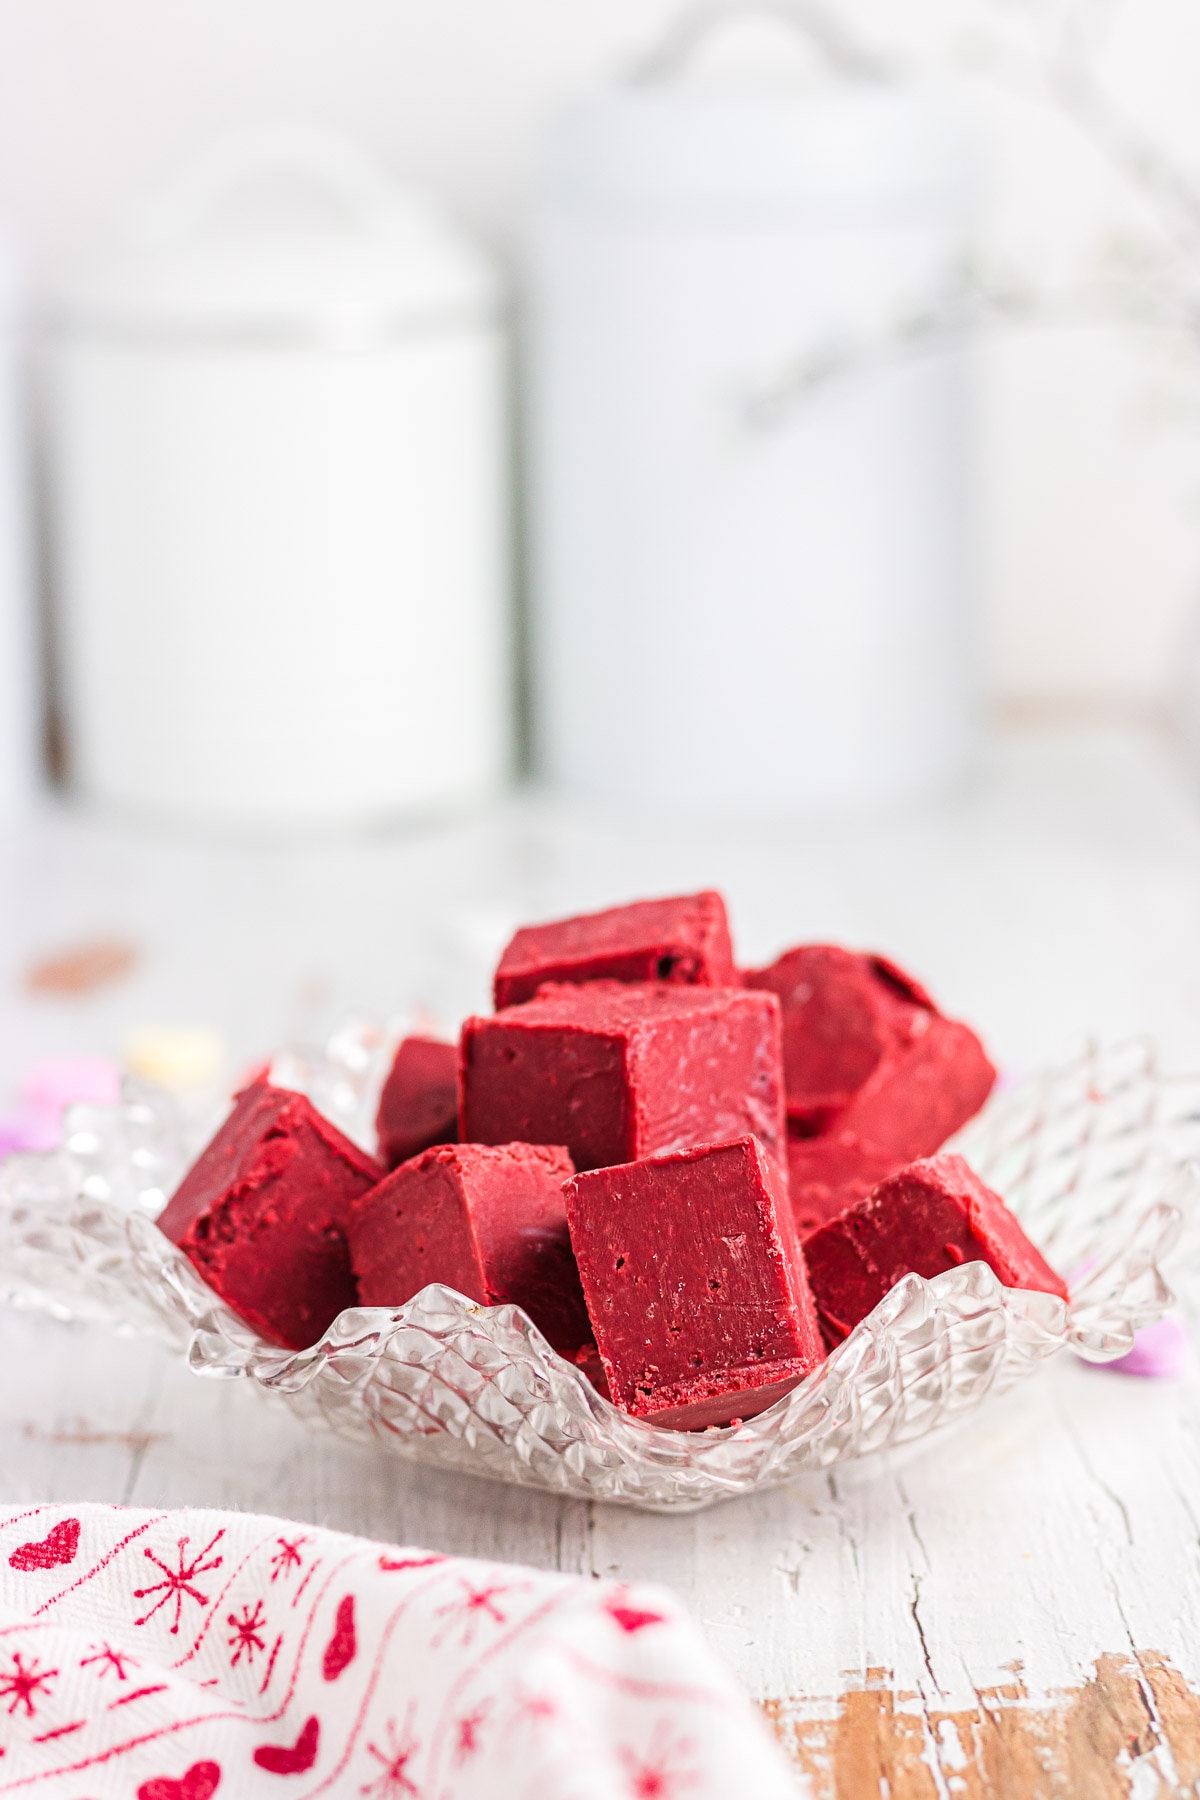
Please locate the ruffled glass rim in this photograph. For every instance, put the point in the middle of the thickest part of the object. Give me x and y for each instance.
(1097, 1158)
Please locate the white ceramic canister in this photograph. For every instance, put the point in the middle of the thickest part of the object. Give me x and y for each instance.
(20, 709)
(748, 449)
(278, 465)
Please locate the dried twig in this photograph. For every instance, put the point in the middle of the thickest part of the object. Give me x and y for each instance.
(1159, 291)
(973, 306)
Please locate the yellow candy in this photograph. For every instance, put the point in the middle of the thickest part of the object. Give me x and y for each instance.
(175, 1056)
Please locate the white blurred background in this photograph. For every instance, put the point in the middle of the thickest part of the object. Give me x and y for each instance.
(1090, 454)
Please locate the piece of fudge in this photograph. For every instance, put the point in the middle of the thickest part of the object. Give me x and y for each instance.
(925, 1219)
(419, 1103)
(487, 1220)
(619, 1071)
(828, 1174)
(695, 1284)
(262, 1214)
(876, 1076)
(685, 940)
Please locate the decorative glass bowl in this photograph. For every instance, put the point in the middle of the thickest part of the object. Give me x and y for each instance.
(1096, 1159)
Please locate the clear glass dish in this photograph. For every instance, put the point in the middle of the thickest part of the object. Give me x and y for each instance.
(1096, 1158)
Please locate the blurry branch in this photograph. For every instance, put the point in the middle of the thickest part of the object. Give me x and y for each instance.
(1129, 148)
(818, 23)
(1063, 76)
(1150, 287)
(972, 306)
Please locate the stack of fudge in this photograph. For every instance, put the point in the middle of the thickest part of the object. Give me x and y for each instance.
(695, 1180)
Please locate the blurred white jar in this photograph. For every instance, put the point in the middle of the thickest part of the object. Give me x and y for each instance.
(750, 523)
(279, 499)
(20, 710)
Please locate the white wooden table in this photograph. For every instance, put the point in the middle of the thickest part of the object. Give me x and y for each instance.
(1014, 1611)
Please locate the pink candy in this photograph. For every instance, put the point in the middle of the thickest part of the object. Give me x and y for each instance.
(50, 1086)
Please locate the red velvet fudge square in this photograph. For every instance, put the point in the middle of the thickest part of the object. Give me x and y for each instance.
(923, 1220)
(695, 1284)
(619, 1071)
(685, 940)
(876, 1076)
(419, 1103)
(487, 1220)
(827, 1174)
(262, 1214)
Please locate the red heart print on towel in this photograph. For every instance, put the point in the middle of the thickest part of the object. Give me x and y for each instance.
(52, 1552)
(201, 1780)
(339, 1651)
(286, 1759)
(631, 1618)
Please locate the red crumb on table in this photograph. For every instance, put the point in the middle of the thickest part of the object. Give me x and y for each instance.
(930, 1217)
(876, 1076)
(618, 1072)
(487, 1220)
(262, 1214)
(419, 1103)
(684, 939)
(695, 1284)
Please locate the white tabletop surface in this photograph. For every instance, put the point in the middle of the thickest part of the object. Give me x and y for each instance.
(1014, 1610)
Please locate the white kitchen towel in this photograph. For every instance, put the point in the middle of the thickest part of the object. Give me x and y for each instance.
(182, 1655)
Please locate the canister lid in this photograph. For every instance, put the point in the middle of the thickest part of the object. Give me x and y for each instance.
(291, 235)
(837, 149)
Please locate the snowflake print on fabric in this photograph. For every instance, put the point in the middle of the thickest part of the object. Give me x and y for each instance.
(108, 1658)
(475, 1607)
(246, 1638)
(24, 1684)
(394, 1782)
(179, 1584)
(466, 1733)
(348, 1679)
(286, 1556)
(534, 1710)
(666, 1771)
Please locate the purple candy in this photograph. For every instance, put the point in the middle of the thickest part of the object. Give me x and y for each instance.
(50, 1087)
(1158, 1350)
(20, 1132)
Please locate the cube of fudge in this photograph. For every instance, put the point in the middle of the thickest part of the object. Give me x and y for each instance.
(419, 1103)
(262, 1214)
(827, 1174)
(487, 1220)
(619, 1071)
(925, 1219)
(876, 1076)
(695, 1284)
(684, 940)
